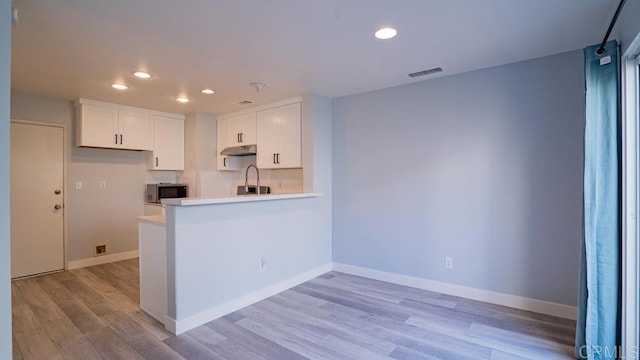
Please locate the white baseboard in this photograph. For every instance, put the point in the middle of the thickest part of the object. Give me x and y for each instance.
(518, 302)
(179, 326)
(98, 260)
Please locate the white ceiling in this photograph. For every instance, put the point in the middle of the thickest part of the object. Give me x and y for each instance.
(75, 48)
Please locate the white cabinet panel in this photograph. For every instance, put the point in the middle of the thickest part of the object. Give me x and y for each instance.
(112, 126)
(135, 130)
(290, 137)
(241, 129)
(97, 126)
(168, 144)
(276, 131)
(153, 270)
(267, 129)
(224, 163)
(279, 137)
(234, 131)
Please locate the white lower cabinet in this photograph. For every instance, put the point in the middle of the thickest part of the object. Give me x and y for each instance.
(153, 269)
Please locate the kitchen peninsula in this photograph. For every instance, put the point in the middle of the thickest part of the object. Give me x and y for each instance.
(222, 254)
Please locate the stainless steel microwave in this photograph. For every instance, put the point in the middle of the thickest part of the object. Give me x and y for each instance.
(157, 192)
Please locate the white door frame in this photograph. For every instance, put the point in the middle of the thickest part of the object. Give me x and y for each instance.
(630, 200)
(65, 160)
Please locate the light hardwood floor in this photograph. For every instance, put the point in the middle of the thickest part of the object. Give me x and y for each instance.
(93, 313)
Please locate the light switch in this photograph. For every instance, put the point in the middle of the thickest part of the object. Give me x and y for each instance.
(78, 185)
(103, 185)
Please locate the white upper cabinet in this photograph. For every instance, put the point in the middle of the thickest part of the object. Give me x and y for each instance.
(105, 125)
(279, 137)
(241, 129)
(108, 126)
(224, 162)
(168, 144)
(97, 126)
(275, 129)
(135, 130)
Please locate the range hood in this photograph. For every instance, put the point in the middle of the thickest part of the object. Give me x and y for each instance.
(242, 150)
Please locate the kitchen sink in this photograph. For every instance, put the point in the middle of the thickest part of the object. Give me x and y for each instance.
(251, 190)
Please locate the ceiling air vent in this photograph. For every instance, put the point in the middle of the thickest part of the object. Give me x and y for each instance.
(426, 72)
(245, 102)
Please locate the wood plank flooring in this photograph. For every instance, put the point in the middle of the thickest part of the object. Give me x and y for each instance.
(93, 313)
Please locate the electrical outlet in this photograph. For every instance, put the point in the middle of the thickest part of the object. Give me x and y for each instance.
(263, 264)
(103, 185)
(448, 262)
(78, 185)
(100, 250)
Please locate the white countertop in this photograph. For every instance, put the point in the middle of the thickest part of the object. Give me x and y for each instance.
(153, 219)
(236, 199)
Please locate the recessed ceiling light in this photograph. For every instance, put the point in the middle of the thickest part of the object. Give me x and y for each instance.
(386, 33)
(208, 91)
(182, 99)
(119, 86)
(142, 74)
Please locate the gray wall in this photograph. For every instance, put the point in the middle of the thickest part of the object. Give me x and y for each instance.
(5, 252)
(485, 167)
(628, 25)
(94, 216)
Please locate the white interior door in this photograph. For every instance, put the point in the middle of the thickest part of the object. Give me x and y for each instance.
(37, 208)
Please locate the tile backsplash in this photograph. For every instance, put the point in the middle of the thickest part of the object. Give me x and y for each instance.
(157, 177)
(283, 181)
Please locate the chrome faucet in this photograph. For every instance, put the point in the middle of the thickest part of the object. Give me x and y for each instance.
(246, 179)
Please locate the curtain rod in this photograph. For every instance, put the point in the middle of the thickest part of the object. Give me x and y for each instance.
(602, 49)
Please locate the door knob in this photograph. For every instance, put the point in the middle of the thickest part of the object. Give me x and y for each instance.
(58, 207)
(57, 192)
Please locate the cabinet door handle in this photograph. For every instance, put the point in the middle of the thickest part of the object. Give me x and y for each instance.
(224, 162)
(120, 139)
(116, 135)
(274, 159)
(241, 137)
(278, 157)
(238, 135)
(156, 161)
